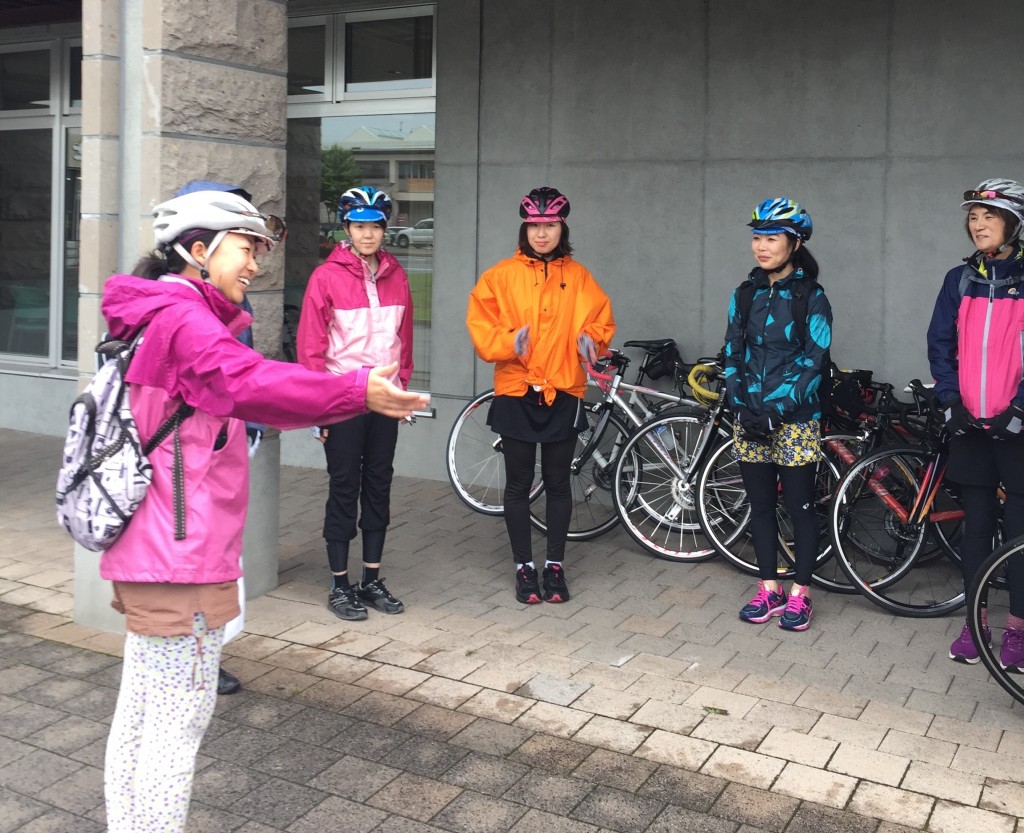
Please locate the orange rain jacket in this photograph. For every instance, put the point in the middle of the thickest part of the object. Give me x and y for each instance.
(559, 299)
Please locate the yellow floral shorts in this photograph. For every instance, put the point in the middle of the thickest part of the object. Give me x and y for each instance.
(792, 444)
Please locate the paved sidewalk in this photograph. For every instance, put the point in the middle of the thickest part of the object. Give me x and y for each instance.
(644, 704)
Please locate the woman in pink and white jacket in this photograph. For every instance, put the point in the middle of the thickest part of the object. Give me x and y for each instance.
(976, 352)
(175, 567)
(357, 312)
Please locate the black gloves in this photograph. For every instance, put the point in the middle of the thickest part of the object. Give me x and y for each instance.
(756, 426)
(1007, 425)
(958, 418)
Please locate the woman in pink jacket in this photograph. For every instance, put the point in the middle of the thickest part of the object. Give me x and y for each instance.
(357, 312)
(174, 568)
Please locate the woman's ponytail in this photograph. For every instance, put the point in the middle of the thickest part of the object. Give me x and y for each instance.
(803, 259)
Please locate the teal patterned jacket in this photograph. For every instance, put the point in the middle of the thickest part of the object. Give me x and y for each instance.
(767, 368)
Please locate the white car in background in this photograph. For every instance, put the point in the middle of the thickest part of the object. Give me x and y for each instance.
(421, 234)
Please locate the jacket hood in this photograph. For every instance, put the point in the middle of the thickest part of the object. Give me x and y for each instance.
(343, 255)
(989, 270)
(130, 303)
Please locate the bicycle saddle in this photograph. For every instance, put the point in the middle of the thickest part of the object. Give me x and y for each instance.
(651, 345)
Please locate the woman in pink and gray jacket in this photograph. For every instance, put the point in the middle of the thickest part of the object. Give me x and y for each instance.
(976, 352)
(175, 567)
(357, 312)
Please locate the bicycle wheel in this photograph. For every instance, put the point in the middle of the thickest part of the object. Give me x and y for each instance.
(990, 589)
(656, 506)
(724, 515)
(593, 504)
(474, 460)
(879, 544)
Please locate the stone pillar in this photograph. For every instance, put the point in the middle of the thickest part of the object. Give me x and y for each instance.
(174, 91)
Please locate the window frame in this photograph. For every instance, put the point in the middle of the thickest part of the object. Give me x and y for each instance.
(408, 97)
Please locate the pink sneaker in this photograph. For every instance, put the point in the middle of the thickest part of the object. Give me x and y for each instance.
(797, 616)
(766, 604)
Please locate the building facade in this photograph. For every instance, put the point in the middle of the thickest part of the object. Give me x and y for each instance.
(665, 121)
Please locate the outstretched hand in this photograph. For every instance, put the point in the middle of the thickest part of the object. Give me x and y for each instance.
(387, 398)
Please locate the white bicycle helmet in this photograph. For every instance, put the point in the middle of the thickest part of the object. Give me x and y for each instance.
(1001, 193)
(199, 211)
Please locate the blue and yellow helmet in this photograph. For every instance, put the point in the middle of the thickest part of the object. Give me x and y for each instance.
(364, 204)
(780, 215)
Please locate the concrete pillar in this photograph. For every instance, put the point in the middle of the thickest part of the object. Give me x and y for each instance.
(171, 92)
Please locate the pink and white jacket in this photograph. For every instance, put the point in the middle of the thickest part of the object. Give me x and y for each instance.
(352, 319)
(189, 352)
(976, 337)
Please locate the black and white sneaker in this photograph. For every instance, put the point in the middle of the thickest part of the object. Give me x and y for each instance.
(344, 603)
(376, 594)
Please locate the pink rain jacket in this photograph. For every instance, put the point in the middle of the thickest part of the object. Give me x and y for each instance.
(189, 353)
(351, 319)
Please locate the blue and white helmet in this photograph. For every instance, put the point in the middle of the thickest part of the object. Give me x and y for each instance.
(364, 204)
(780, 215)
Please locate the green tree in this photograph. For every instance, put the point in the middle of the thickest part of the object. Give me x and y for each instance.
(338, 173)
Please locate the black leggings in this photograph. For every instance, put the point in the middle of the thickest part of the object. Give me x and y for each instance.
(981, 513)
(520, 464)
(761, 480)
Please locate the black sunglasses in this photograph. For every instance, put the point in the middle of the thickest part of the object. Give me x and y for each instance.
(971, 196)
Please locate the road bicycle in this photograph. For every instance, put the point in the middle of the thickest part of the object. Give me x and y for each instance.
(474, 452)
(887, 507)
(991, 590)
(861, 422)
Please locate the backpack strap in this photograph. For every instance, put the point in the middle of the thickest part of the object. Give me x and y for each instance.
(744, 301)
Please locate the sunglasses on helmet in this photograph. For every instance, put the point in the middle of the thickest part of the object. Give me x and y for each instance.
(277, 227)
(971, 196)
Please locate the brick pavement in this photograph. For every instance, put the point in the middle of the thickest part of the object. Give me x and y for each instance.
(643, 704)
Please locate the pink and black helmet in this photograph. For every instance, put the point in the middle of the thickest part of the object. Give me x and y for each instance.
(544, 205)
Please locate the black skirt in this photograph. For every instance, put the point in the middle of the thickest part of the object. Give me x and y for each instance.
(529, 419)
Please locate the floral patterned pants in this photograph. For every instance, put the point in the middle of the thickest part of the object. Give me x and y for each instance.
(167, 697)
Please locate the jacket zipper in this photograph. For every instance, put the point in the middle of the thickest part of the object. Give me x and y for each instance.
(983, 407)
(764, 338)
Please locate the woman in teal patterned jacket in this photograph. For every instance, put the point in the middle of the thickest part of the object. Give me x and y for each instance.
(773, 372)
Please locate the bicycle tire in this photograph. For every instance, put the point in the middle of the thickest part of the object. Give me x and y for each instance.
(879, 549)
(990, 589)
(724, 515)
(474, 460)
(593, 501)
(658, 509)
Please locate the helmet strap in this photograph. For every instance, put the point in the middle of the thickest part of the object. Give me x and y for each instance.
(191, 261)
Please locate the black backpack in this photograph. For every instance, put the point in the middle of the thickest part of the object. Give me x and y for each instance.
(802, 290)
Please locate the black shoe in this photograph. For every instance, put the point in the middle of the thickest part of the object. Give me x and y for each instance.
(228, 683)
(555, 588)
(527, 588)
(344, 603)
(376, 594)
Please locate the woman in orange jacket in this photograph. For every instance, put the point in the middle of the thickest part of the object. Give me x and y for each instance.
(536, 316)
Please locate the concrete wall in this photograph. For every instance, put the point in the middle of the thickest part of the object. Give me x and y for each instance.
(666, 122)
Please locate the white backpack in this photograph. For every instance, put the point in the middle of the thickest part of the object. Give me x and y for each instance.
(104, 473)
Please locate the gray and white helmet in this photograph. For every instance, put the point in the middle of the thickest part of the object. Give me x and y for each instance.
(219, 211)
(1001, 193)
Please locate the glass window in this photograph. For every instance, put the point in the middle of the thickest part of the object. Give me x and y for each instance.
(326, 157)
(394, 53)
(25, 80)
(25, 171)
(72, 224)
(307, 49)
(75, 77)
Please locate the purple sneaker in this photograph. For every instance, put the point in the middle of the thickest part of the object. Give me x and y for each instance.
(963, 648)
(766, 604)
(1011, 652)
